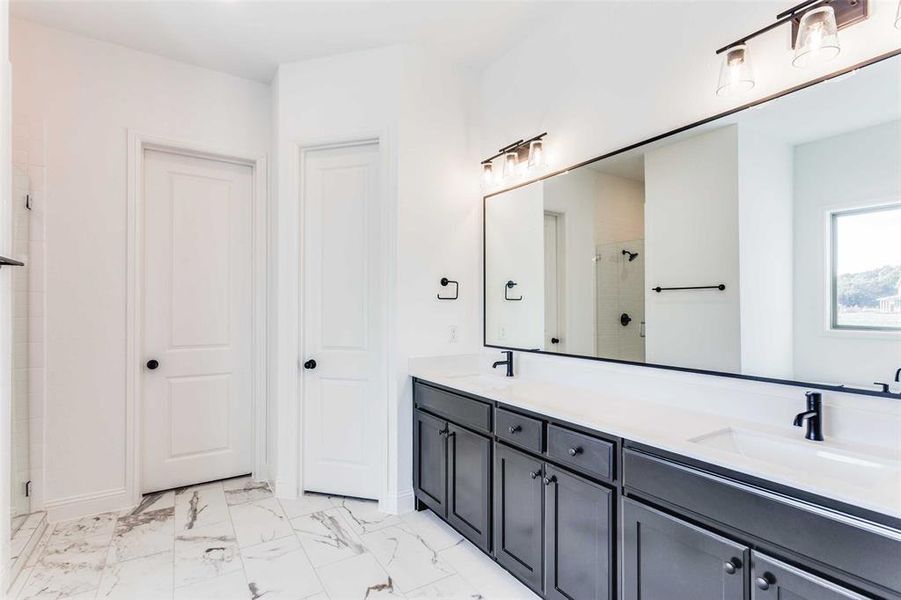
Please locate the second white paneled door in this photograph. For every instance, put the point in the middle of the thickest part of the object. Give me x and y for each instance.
(197, 320)
(342, 331)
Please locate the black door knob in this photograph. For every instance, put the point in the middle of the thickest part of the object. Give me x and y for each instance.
(555, 340)
(310, 364)
(152, 364)
(625, 319)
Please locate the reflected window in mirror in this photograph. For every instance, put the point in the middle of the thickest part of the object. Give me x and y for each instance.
(866, 269)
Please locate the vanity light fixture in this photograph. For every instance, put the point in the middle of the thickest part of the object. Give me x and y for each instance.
(520, 158)
(735, 73)
(898, 16)
(817, 40)
(815, 25)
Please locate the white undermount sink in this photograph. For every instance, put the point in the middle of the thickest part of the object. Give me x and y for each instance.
(813, 458)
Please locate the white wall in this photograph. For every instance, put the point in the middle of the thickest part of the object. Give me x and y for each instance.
(765, 240)
(87, 95)
(691, 239)
(846, 171)
(418, 104)
(514, 251)
(5, 282)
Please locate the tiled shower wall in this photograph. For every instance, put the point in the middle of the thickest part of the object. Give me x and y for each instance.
(28, 311)
(620, 289)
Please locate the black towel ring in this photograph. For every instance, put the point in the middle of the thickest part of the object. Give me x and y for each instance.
(444, 282)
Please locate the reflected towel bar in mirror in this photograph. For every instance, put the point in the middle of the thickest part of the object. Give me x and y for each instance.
(9, 262)
(719, 287)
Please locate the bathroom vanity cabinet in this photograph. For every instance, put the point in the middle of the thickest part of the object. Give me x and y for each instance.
(579, 514)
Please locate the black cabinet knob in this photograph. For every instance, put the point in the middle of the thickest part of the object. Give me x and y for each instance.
(764, 581)
(550, 480)
(534, 474)
(153, 364)
(514, 428)
(444, 431)
(310, 364)
(555, 340)
(731, 566)
(575, 451)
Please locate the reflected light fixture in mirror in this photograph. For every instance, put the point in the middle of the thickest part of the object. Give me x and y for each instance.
(817, 40)
(898, 16)
(736, 74)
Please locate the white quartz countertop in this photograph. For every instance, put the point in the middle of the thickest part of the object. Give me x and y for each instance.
(866, 477)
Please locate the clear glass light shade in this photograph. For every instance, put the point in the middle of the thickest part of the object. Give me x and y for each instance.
(817, 40)
(536, 154)
(487, 173)
(898, 16)
(736, 74)
(511, 161)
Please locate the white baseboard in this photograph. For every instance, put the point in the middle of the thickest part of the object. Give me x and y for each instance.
(397, 504)
(85, 505)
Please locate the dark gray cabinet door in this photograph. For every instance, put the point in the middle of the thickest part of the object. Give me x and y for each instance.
(772, 579)
(665, 558)
(469, 485)
(430, 460)
(518, 531)
(578, 537)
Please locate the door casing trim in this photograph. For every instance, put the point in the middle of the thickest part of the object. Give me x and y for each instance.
(138, 142)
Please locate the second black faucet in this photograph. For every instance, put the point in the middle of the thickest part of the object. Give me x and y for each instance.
(508, 361)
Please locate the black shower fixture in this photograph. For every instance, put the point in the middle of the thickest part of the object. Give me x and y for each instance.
(632, 255)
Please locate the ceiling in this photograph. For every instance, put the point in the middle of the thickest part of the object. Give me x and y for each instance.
(249, 38)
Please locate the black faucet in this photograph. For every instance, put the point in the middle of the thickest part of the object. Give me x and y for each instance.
(814, 417)
(508, 361)
(898, 375)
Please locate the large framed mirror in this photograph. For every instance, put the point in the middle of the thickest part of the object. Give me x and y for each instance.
(764, 243)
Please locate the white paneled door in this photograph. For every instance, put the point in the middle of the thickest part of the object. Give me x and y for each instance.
(342, 332)
(196, 404)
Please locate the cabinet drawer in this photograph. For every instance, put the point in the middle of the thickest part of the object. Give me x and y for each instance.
(581, 451)
(868, 551)
(518, 429)
(459, 409)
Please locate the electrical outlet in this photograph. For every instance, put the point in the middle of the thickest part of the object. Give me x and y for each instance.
(502, 333)
(452, 334)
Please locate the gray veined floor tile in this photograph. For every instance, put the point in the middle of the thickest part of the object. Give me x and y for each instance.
(449, 588)
(492, 581)
(280, 570)
(154, 501)
(258, 522)
(407, 557)
(326, 537)
(435, 532)
(245, 489)
(200, 506)
(143, 534)
(205, 553)
(232, 586)
(145, 578)
(94, 526)
(357, 578)
(67, 567)
(364, 515)
(306, 504)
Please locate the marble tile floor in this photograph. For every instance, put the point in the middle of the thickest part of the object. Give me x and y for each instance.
(233, 540)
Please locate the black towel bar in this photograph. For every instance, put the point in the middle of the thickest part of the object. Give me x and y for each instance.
(719, 287)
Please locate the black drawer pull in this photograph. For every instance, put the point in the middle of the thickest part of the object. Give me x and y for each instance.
(575, 451)
(765, 581)
(515, 428)
(534, 474)
(731, 566)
